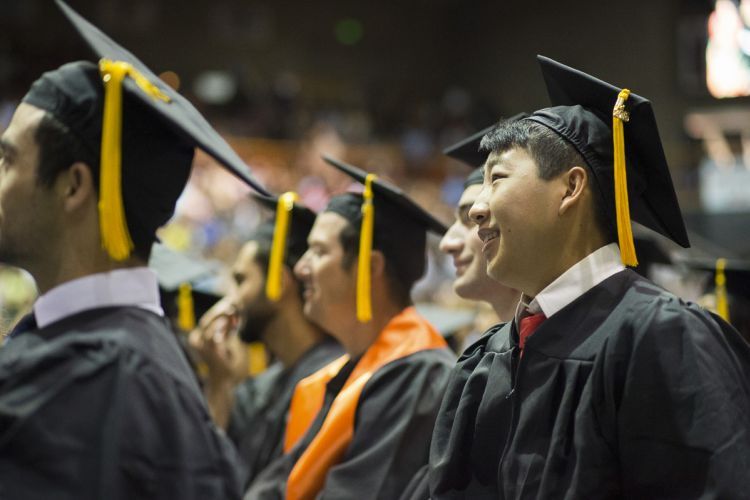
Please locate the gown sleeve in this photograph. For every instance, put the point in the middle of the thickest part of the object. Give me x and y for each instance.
(683, 421)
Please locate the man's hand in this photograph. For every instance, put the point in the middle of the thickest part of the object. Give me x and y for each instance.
(217, 344)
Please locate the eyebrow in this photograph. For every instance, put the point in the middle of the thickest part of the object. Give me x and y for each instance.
(464, 206)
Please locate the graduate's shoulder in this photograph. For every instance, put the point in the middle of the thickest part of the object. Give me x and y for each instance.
(648, 317)
(646, 306)
(496, 339)
(126, 338)
(406, 375)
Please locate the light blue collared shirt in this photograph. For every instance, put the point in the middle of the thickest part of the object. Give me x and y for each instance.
(122, 287)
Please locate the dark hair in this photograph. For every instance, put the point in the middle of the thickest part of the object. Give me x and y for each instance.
(399, 280)
(553, 156)
(59, 148)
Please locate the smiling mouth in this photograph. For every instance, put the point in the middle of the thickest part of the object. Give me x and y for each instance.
(461, 266)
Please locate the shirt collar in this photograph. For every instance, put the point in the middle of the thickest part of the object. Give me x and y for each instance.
(579, 279)
(122, 287)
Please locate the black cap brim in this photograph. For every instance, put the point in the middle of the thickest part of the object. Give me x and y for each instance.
(179, 114)
(392, 194)
(301, 212)
(467, 150)
(653, 201)
(736, 271)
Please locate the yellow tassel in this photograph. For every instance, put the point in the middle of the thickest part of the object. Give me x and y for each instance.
(116, 238)
(257, 358)
(364, 299)
(278, 246)
(185, 308)
(722, 303)
(622, 205)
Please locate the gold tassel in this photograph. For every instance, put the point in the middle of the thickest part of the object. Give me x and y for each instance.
(722, 303)
(115, 236)
(185, 308)
(622, 205)
(278, 246)
(364, 299)
(257, 358)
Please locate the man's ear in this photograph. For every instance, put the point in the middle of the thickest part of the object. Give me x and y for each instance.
(76, 186)
(575, 180)
(377, 264)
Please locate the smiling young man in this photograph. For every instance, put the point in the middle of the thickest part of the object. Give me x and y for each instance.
(462, 242)
(255, 411)
(96, 398)
(604, 385)
(360, 427)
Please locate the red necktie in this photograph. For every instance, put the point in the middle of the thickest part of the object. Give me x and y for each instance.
(528, 325)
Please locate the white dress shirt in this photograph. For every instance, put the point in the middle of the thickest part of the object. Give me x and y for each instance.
(579, 279)
(123, 287)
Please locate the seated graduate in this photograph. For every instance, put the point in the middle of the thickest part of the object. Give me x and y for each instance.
(604, 385)
(462, 242)
(264, 305)
(360, 427)
(96, 398)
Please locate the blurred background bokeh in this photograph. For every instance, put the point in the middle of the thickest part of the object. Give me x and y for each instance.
(387, 85)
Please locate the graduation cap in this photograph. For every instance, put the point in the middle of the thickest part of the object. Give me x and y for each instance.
(288, 233)
(399, 228)
(609, 126)
(468, 152)
(730, 279)
(139, 132)
(187, 285)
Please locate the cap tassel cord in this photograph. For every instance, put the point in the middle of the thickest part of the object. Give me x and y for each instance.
(722, 304)
(622, 205)
(185, 308)
(116, 239)
(284, 209)
(364, 299)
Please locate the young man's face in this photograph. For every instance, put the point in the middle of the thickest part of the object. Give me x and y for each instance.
(517, 215)
(329, 288)
(27, 208)
(463, 244)
(248, 295)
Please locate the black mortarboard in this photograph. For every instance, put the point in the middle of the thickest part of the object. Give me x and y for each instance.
(389, 221)
(288, 235)
(730, 281)
(468, 152)
(146, 135)
(187, 285)
(583, 115)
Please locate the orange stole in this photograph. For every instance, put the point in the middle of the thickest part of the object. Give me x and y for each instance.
(405, 334)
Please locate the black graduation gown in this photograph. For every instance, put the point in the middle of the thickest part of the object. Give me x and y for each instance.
(393, 424)
(259, 414)
(627, 392)
(102, 404)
